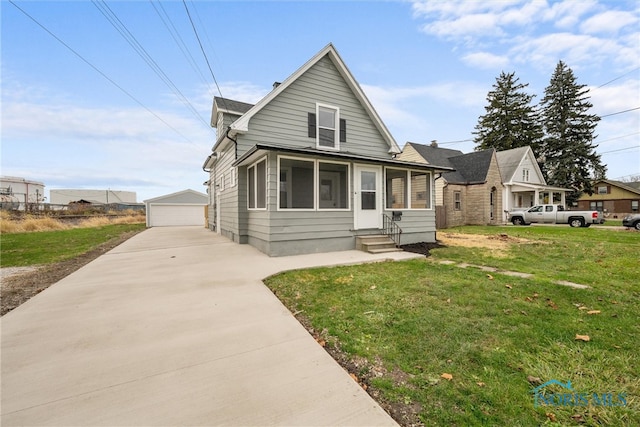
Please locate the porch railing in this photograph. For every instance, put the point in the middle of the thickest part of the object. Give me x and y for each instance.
(391, 229)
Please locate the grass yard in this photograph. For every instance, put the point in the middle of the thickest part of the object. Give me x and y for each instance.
(497, 337)
(46, 247)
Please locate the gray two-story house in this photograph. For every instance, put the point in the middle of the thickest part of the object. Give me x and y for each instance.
(311, 166)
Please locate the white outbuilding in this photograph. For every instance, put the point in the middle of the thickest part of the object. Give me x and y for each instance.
(182, 208)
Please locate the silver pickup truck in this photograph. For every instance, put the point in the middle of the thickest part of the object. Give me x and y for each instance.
(555, 214)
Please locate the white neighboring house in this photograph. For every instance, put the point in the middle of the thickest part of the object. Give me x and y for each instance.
(524, 185)
(177, 209)
(17, 193)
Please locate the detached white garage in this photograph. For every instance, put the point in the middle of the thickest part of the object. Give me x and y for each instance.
(182, 208)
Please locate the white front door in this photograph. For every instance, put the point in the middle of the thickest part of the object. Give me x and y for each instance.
(368, 197)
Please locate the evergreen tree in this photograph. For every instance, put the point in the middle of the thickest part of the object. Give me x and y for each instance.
(568, 154)
(510, 120)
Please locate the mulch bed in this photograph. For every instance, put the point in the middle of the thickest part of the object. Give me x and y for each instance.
(421, 248)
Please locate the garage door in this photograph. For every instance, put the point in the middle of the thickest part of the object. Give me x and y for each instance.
(172, 215)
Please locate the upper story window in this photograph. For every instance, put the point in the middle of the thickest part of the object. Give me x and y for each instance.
(326, 126)
(525, 175)
(602, 189)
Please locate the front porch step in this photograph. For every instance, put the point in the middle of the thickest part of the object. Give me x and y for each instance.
(376, 244)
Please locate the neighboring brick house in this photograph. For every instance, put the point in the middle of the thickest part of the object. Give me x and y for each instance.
(614, 198)
(472, 194)
(485, 184)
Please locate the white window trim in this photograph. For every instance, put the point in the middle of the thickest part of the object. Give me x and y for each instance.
(233, 177)
(336, 147)
(409, 208)
(221, 182)
(348, 187)
(459, 201)
(316, 193)
(255, 178)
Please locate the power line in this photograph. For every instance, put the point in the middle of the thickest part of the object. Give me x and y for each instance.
(617, 137)
(621, 149)
(113, 19)
(618, 78)
(177, 38)
(99, 71)
(202, 50)
(620, 112)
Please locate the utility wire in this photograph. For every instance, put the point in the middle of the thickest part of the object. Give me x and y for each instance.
(113, 19)
(621, 149)
(618, 78)
(175, 34)
(620, 112)
(203, 52)
(99, 71)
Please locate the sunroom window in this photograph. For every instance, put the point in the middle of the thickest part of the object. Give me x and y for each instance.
(420, 190)
(333, 181)
(396, 189)
(407, 189)
(312, 184)
(296, 184)
(257, 185)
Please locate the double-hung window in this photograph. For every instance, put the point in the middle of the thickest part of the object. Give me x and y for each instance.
(457, 200)
(326, 126)
(257, 185)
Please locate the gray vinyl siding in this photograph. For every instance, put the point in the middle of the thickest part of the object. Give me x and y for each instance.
(228, 196)
(284, 119)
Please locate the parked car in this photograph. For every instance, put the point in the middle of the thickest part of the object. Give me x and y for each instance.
(632, 221)
(555, 214)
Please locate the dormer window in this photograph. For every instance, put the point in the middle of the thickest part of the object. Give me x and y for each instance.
(326, 126)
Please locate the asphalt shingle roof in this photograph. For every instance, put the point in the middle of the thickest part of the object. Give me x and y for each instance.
(231, 105)
(469, 168)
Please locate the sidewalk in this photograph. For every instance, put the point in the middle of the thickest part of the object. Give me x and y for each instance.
(174, 327)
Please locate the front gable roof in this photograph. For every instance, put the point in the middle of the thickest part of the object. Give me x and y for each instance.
(184, 196)
(509, 162)
(242, 124)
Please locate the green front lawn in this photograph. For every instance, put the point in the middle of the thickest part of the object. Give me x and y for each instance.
(407, 323)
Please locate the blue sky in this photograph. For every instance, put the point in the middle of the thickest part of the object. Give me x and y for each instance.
(426, 66)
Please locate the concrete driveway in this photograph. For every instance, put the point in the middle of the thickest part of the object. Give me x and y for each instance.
(175, 327)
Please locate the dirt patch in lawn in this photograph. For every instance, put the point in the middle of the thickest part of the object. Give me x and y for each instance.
(498, 243)
(19, 284)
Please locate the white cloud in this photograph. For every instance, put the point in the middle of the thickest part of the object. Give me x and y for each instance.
(574, 49)
(567, 14)
(486, 60)
(520, 30)
(614, 97)
(610, 21)
(466, 26)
